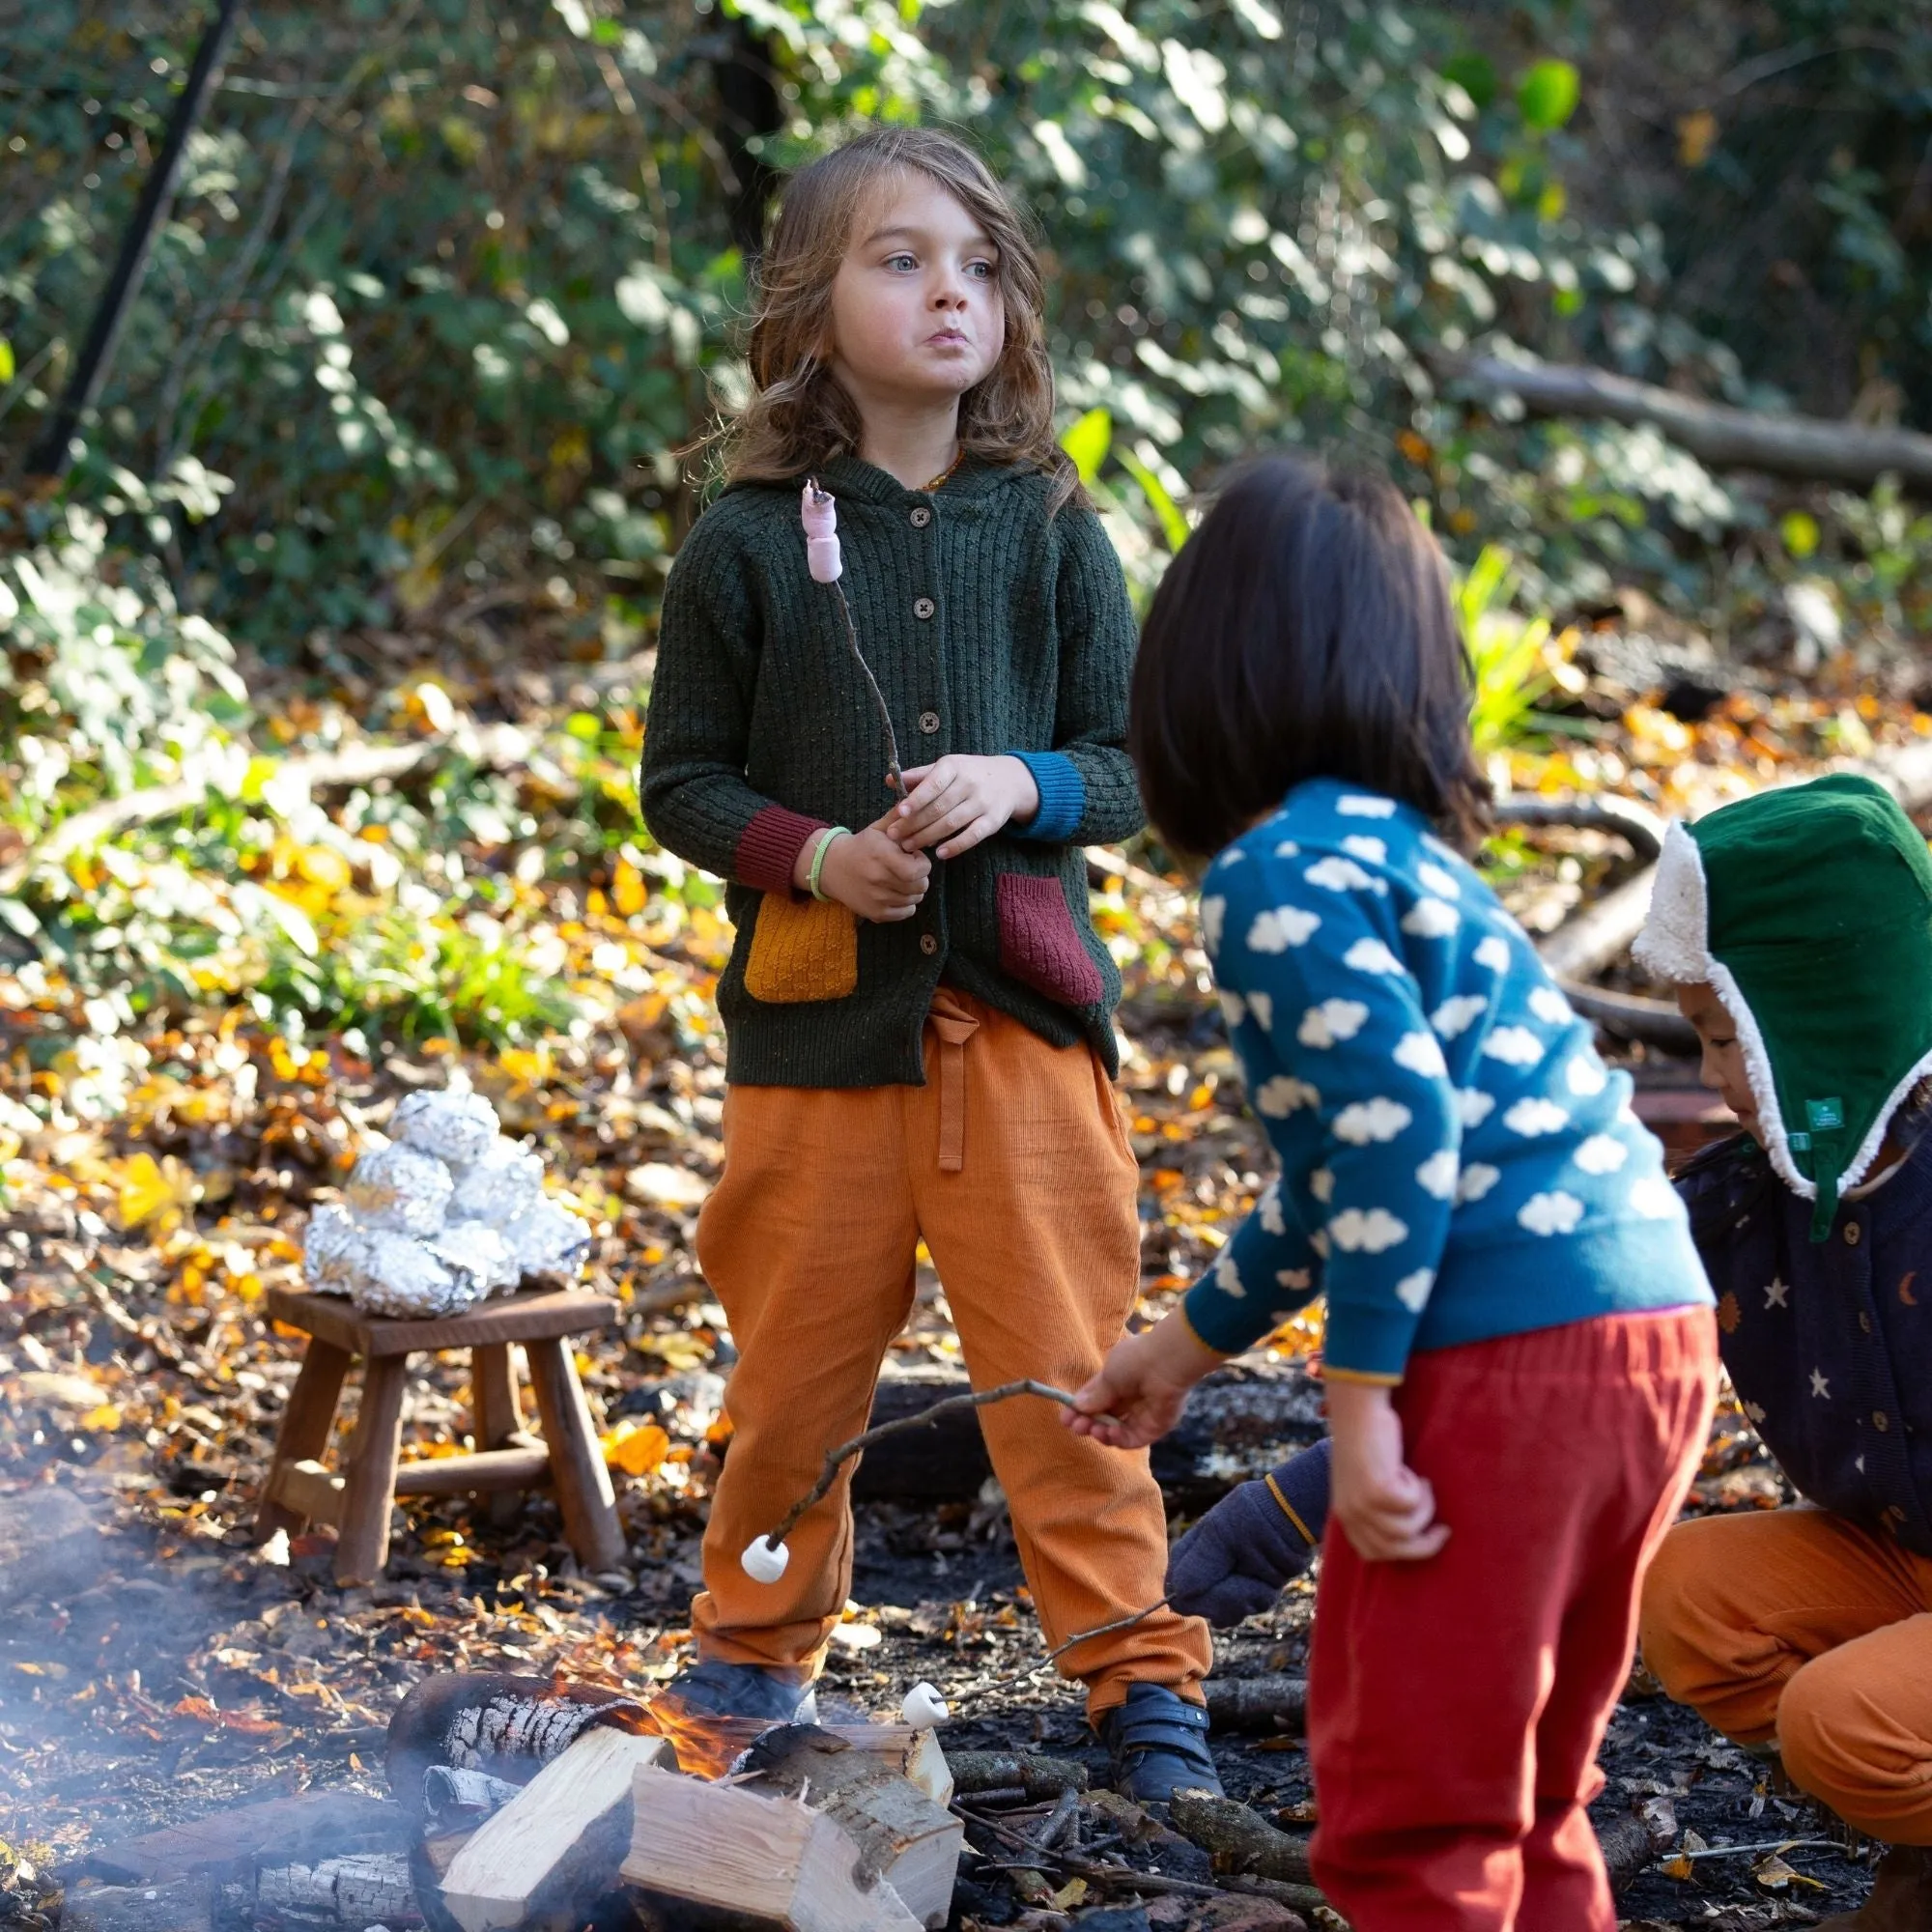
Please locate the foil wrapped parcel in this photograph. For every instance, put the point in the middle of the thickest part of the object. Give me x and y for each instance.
(446, 1213)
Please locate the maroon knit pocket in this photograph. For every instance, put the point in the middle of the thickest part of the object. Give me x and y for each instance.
(1040, 946)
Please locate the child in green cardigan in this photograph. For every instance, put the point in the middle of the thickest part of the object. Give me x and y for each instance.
(919, 1011)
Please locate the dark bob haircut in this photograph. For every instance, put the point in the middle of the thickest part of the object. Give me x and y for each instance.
(1303, 632)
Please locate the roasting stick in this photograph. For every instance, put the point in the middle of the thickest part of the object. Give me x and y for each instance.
(765, 1558)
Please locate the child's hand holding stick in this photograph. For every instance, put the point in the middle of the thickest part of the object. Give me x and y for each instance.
(1142, 1386)
(869, 871)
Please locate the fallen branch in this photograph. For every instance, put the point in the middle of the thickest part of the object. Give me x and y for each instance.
(1239, 1840)
(1630, 1843)
(1630, 1016)
(1640, 829)
(976, 1773)
(1257, 1703)
(1238, 1422)
(1725, 438)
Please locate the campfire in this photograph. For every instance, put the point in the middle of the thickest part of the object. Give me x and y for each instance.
(526, 1803)
(542, 1804)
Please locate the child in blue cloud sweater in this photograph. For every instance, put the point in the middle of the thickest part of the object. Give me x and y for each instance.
(1519, 1351)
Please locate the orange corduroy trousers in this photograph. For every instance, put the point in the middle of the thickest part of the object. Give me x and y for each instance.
(1012, 1164)
(1801, 1630)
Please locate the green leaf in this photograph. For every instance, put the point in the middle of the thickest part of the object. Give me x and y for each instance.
(1800, 530)
(1087, 441)
(1547, 95)
(6, 360)
(1173, 524)
(1475, 75)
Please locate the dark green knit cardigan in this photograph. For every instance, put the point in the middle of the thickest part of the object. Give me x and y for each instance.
(992, 627)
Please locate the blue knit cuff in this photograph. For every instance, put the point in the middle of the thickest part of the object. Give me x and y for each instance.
(1063, 797)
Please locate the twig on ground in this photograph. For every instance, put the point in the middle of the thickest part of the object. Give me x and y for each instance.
(1768, 1845)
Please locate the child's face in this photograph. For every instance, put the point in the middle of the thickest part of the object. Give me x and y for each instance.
(916, 313)
(1723, 1067)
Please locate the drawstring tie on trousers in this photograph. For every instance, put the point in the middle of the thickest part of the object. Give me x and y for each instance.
(955, 1026)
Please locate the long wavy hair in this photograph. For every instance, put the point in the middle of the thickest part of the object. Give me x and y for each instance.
(799, 413)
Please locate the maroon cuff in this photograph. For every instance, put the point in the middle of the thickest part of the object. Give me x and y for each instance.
(768, 846)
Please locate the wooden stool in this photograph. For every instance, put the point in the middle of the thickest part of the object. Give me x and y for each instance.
(298, 1490)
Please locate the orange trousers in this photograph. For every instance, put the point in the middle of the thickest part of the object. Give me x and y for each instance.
(1800, 1629)
(1012, 1164)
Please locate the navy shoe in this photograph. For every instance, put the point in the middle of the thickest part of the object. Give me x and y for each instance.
(743, 1690)
(1158, 1742)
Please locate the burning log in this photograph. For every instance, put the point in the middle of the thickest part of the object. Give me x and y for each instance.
(555, 1847)
(358, 1890)
(904, 1839)
(488, 1720)
(766, 1859)
(508, 1726)
(1257, 1703)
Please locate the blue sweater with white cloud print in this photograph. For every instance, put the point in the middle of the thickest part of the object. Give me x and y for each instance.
(1457, 1163)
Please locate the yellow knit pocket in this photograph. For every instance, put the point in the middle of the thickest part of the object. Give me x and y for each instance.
(802, 949)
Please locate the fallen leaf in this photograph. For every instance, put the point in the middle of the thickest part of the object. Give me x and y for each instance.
(635, 1449)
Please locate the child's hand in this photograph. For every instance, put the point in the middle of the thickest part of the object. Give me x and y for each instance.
(870, 872)
(1142, 1386)
(1387, 1509)
(962, 801)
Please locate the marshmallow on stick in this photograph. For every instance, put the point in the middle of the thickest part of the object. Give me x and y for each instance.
(818, 513)
(764, 1559)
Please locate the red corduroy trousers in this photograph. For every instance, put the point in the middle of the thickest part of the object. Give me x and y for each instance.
(1456, 1706)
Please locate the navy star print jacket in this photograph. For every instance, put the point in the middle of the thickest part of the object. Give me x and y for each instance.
(1827, 1343)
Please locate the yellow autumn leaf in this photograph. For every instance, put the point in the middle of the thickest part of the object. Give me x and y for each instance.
(102, 1420)
(1069, 1894)
(626, 889)
(154, 1190)
(529, 1065)
(636, 1449)
(321, 865)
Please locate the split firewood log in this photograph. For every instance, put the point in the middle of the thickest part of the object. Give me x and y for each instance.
(768, 1859)
(904, 1839)
(555, 1847)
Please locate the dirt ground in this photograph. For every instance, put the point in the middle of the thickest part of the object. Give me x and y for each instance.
(187, 1678)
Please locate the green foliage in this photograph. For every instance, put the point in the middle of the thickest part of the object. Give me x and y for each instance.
(1547, 95)
(1513, 660)
(449, 286)
(106, 686)
(446, 288)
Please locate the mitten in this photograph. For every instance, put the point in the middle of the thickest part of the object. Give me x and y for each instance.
(1234, 1562)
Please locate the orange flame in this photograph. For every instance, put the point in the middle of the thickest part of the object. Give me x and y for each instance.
(704, 1744)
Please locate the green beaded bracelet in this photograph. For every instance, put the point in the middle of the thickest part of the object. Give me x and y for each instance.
(818, 859)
